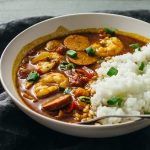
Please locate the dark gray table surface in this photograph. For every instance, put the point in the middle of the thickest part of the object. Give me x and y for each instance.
(19, 132)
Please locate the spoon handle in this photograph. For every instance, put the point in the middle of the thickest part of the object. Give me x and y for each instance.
(116, 116)
(125, 116)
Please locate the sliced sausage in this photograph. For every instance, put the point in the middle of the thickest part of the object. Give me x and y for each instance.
(83, 59)
(57, 103)
(76, 42)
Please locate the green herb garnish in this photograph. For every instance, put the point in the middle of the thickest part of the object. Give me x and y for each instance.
(33, 76)
(112, 71)
(71, 53)
(70, 66)
(66, 65)
(110, 31)
(62, 66)
(141, 66)
(115, 101)
(135, 46)
(90, 51)
(67, 91)
(85, 99)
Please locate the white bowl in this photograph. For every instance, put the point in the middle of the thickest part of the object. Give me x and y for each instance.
(75, 21)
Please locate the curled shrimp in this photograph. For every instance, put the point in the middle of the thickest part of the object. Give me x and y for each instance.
(44, 88)
(57, 78)
(45, 61)
(53, 44)
(45, 66)
(44, 55)
(110, 46)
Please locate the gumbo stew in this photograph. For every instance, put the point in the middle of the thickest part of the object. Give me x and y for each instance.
(54, 77)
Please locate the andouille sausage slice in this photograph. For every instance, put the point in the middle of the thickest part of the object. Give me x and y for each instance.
(57, 103)
(83, 59)
(76, 42)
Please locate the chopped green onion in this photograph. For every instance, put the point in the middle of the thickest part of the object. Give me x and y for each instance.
(110, 31)
(67, 91)
(146, 113)
(135, 46)
(85, 99)
(112, 71)
(71, 53)
(141, 66)
(66, 65)
(33, 76)
(62, 66)
(70, 66)
(90, 51)
(115, 101)
(61, 89)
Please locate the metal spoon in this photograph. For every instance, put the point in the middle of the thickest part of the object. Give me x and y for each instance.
(94, 120)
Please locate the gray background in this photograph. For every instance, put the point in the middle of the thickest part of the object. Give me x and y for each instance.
(16, 9)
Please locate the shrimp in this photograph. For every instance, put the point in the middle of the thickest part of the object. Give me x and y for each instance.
(110, 46)
(56, 46)
(47, 56)
(45, 66)
(53, 44)
(57, 78)
(45, 61)
(44, 88)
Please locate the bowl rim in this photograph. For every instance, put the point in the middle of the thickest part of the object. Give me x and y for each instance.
(25, 108)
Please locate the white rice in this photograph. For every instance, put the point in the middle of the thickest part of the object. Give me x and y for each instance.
(131, 84)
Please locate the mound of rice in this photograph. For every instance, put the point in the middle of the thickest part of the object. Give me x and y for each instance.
(131, 84)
